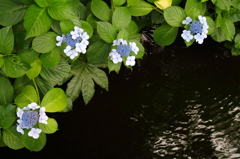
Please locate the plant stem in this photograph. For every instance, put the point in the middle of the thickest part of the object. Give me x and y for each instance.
(157, 10)
(35, 85)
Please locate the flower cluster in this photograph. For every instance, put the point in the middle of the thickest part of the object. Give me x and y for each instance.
(76, 42)
(122, 48)
(29, 116)
(197, 29)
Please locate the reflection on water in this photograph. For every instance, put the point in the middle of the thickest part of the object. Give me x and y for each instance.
(190, 104)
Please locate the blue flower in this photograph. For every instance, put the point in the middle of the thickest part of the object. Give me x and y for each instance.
(196, 27)
(123, 50)
(29, 119)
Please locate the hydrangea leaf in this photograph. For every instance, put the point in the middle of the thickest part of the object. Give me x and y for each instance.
(43, 3)
(33, 144)
(56, 73)
(14, 68)
(35, 70)
(56, 27)
(165, 35)
(106, 31)
(55, 100)
(69, 106)
(98, 52)
(132, 2)
(132, 28)
(50, 127)
(114, 67)
(228, 29)
(1, 62)
(237, 41)
(121, 18)
(28, 56)
(7, 115)
(61, 10)
(211, 24)
(43, 85)
(2, 144)
(66, 26)
(194, 8)
(223, 4)
(174, 16)
(12, 138)
(140, 9)
(27, 1)
(27, 96)
(84, 74)
(101, 10)
(6, 40)
(36, 21)
(123, 34)
(91, 19)
(20, 83)
(51, 59)
(218, 34)
(118, 2)
(6, 91)
(141, 51)
(44, 43)
(163, 4)
(11, 12)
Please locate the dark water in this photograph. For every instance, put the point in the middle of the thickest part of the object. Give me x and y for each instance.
(180, 103)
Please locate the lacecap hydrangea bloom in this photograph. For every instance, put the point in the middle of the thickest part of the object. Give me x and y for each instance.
(197, 29)
(76, 42)
(29, 116)
(123, 48)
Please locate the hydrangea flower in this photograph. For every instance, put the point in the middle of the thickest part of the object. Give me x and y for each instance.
(28, 118)
(197, 29)
(76, 42)
(123, 48)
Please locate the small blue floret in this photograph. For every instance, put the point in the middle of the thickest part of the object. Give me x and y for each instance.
(70, 41)
(29, 119)
(123, 50)
(196, 27)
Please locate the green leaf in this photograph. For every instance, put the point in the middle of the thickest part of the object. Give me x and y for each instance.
(98, 52)
(101, 10)
(2, 144)
(132, 28)
(121, 18)
(123, 34)
(1, 62)
(84, 25)
(165, 35)
(6, 40)
(56, 73)
(7, 115)
(211, 25)
(118, 2)
(218, 35)
(35, 70)
(20, 83)
(132, 2)
(51, 59)
(235, 51)
(14, 68)
(74, 87)
(43, 3)
(223, 4)
(232, 14)
(237, 41)
(228, 29)
(36, 21)
(6, 91)
(106, 31)
(27, 96)
(28, 56)
(27, 1)
(141, 51)
(91, 19)
(43, 85)
(69, 106)
(55, 100)
(34, 144)
(235, 3)
(56, 27)
(194, 8)
(66, 26)
(11, 12)
(60, 10)
(50, 127)
(140, 9)
(174, 16)
(99, 76)
(114, 67)
(87, 87)
(12, 138)
(45, 43)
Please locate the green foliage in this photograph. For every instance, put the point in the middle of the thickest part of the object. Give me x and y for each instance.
(6, 91)
(7, 115)
(101, 10)
(6, 40)
(106, 31)
(174, 16)
(140, 9)
(12, 138)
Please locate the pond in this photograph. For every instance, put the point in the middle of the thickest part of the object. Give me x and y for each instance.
(179, 103)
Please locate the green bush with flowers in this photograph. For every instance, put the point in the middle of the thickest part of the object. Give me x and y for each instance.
(47, 43)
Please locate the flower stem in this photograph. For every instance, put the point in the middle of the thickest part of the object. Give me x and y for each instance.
(35, 85)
